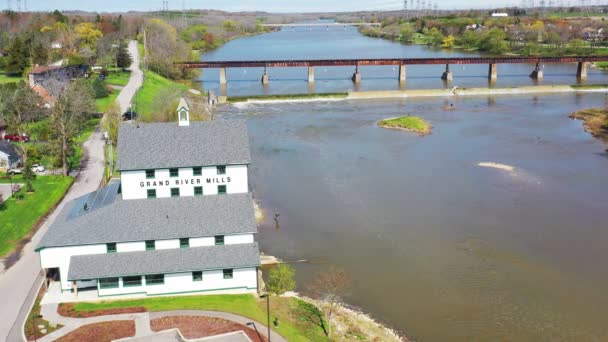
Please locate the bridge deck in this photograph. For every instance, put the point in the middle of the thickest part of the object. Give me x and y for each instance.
(390, 61)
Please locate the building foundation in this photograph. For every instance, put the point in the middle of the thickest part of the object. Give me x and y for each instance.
(265, 79)
(356, 76)
(447, 74)
(402, 73)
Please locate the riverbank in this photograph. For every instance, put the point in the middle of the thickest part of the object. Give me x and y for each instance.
(415, 93)
(595, 121)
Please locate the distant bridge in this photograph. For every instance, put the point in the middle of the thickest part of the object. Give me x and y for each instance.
(537, 72)
(322, 24)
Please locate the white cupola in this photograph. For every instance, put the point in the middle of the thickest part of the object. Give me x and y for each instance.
(183, 113)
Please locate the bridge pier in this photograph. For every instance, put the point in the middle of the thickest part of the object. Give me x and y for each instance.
(493, 72)
(537, 74)
(402, 72)
(311, 74)
(223, 79)
(581, 71)
(357, 76)
(265, 79)
(447, 75)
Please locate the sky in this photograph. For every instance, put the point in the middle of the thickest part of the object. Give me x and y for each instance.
(247, 5)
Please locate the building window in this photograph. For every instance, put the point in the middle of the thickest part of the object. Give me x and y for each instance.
(174, 192)
(184, 243)
(221, 170)
(150, 174)
(174, 172)
(108, 283)
(155, 279)
(131, 281)
(151, 193)
(221, 189)
(150, 245)
(197, 171)
(228, 274)
(219, 240)
(111, 247)
(198, 191)
(197, 276)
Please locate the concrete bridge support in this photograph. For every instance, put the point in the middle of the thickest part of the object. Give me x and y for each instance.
(447, 75)
(357, 76)
(311, 74)
(223, 79)
(493, 72)
(402, 73)
(537, 74)
(581, 71)
(265, 79)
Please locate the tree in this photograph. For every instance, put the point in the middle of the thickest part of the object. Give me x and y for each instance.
(280, 279)
(329, 287)
(435, 37)
(67, 115)
(407, 34)
(470, 39)
(40, 54)
(123, 57)
(19, 107)
(29, 176)
(494, 41)
(18, 57)
(165, 48)
(88, 35)
(448, 42)
(99, 88)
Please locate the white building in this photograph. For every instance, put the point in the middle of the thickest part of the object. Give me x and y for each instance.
(500, 14)
(180, 220)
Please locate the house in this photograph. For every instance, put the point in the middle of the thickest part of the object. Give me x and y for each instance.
(48, 81)
(179, 220)
(9, 155)
(500, 14)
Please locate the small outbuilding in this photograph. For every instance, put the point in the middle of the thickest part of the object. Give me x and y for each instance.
(9, 155)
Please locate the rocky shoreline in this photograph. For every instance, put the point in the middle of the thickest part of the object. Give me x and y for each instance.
(595, 121)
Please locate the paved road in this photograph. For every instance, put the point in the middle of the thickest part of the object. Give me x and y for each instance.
(135, 82)
(16, 282)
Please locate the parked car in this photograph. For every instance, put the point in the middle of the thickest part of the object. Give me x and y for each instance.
(17, 138)
(38, 168)
(129, 115)
(15, 171)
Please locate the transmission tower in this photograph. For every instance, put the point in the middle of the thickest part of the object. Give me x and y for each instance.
(18, 5)
(184, 13)
(405, 9)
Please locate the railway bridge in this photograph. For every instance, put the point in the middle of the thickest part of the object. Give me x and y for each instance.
(492, 62)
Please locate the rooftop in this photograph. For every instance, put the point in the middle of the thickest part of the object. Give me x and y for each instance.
(102, 216)
(165, 145)
(163, 261)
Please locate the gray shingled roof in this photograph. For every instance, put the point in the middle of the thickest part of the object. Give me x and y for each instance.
(165, 145)
(151, 219)
(163, 261)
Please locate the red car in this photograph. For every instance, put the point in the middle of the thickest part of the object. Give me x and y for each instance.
(17, 138)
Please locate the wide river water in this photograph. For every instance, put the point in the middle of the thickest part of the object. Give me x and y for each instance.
(437, 247)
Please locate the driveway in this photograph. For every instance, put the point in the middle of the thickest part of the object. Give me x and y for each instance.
(135, 82)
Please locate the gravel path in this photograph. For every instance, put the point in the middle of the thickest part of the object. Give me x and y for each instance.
(135, 82)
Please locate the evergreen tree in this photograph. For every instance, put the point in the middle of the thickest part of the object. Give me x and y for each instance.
(99, 89)
(123, 58)
(18, 57)
(40, 55)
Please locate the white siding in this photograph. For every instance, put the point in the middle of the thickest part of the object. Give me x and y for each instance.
(130, 246)
(244, 280)
(60, 257)
(167, 244)
(235, 239)
(204, 241)
(135, 185)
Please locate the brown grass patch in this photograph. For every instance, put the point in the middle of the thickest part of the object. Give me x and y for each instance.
(101, 332)
(67, 310)
(595, 122)
(200, 326)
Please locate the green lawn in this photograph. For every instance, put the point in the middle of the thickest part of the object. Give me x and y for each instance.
(7, 79)
(412, 123)
(103, 103)
(118, 78)
(155, 88)
(290, 327)
(19, 217)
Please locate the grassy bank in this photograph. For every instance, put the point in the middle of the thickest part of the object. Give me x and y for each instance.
(155, 93)
(118, 78)
(291, 326)
(234, 99)
(8, 79)
(18, 217)
(595, 121)
(103, 103)
(408, 123)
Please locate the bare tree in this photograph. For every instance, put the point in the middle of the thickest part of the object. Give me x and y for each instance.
(329, 287)
(71, 109)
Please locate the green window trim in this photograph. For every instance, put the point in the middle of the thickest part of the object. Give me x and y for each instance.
(228, 273)
(197, 171)
(173, 173)
(109, 283)
(222, 189)
(197, 276)
(184, 242)
(221, 169)
(151, 193)
(219, 240)
(131, 281)
(150, 174)
(174, 192)
(155, 279)
(198, 191)
(150, 245)
(111, 247)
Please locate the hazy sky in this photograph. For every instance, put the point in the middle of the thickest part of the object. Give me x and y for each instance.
(248, 5)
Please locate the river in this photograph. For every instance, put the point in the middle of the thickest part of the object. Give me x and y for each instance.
(437, 246)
